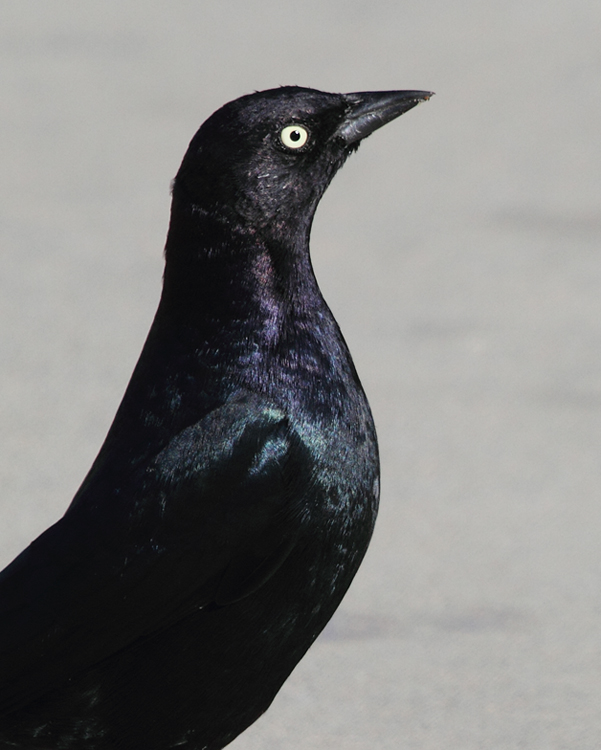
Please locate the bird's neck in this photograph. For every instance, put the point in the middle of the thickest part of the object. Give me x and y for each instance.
(237, 311)
(219, 271)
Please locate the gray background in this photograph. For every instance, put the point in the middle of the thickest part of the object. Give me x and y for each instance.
(459, 250)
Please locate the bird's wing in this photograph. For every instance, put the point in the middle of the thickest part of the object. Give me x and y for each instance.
(212, 517)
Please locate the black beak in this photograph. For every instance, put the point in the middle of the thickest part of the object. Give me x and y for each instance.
(369, 110)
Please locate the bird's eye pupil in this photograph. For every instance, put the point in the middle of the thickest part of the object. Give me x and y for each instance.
(294, 136)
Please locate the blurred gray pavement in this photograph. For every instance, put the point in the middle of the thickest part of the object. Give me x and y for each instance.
(460, 251)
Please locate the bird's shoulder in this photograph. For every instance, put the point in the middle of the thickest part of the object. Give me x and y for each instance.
(216, 510)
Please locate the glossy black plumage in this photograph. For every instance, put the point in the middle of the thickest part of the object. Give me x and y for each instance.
(235, 495)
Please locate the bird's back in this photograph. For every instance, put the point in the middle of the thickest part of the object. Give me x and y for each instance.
(263, 535)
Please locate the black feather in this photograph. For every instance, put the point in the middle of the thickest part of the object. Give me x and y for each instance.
(236, 492)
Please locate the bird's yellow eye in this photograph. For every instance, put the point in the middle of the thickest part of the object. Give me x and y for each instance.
(294, 136)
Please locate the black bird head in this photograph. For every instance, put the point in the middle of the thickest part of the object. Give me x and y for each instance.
(265, 160)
